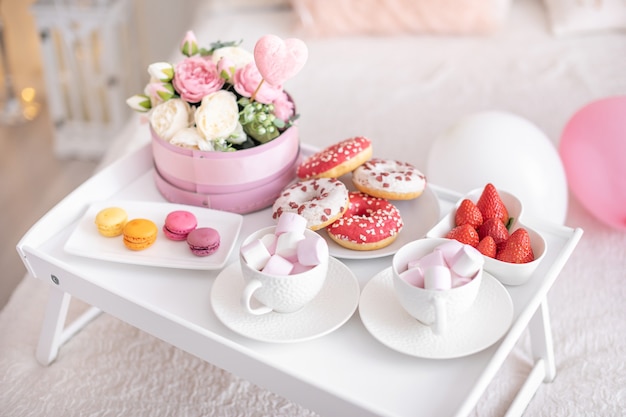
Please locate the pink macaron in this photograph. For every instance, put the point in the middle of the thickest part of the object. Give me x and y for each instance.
(178, 224)
(203, 241)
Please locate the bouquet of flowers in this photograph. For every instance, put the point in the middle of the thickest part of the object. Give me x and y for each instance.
(223, 98)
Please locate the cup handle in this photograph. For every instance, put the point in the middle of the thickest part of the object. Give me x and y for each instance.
(246, 297)
(441, 317)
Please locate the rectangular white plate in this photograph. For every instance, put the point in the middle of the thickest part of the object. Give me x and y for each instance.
(86, 241)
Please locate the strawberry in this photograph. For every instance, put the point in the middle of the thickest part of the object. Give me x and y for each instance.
(495, 228)
(517, 248)
(487, 246)
(464, 234)
(490, 204)
(468, 213)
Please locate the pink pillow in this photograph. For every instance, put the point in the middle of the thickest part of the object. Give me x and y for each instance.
(348, 17)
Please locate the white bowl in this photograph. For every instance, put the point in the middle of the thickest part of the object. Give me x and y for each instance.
(507, 273)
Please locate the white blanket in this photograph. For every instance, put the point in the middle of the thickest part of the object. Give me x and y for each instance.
(113, 369)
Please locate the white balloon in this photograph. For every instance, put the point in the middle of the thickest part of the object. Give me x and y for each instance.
(508, 151)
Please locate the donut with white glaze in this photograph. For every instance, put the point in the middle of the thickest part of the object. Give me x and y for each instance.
(320, 201)
(386, 178)
(336, 160)
(370, 223)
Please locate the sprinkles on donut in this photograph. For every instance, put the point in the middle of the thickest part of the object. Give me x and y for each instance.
(386, 178)
(370, 223)
(320, 201)
(336, 160)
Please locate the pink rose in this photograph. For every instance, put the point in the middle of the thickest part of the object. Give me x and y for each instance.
(283, 107)
(195, 78)
(247, 80)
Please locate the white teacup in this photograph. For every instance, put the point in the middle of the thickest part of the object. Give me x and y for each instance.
(280, 293)
(432, 307)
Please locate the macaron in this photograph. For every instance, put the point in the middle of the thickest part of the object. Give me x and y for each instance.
(178, 224)
(140, 234)
(110, 221)
(203, 241)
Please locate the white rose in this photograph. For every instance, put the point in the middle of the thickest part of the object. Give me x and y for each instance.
(218, 115)
(190, 138)
(238, 56)
(169, 117)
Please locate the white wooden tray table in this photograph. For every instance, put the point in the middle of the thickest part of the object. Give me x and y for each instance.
(346, 372)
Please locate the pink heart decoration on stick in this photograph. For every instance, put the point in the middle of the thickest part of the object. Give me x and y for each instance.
(279, 60)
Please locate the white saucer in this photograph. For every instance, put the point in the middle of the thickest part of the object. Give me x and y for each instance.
(333, 306)
(487, 321)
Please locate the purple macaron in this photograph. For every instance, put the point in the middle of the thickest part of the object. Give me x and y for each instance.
(203, 241)
(178, 224)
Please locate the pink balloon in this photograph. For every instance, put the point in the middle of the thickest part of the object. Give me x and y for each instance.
(593, 151)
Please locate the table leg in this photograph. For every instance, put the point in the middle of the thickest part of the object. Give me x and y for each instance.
(53, 331)
(52, 327)
(541, 340)
(544, 369)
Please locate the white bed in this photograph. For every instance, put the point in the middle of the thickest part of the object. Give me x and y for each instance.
(427, 83)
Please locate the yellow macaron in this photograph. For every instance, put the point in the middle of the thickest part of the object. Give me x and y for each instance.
(140, 234)
(111, 221)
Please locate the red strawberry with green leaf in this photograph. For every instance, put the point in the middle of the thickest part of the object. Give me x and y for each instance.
(495, 228)
(487, 246)
(464, 234)
(517, 248)
(490, 204)
(468, 213)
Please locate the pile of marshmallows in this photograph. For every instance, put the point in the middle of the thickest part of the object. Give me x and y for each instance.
(450, 265)
(288, 250)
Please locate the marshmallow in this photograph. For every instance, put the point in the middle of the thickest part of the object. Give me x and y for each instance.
(414, 276)
(415, 263)
(287, 245)
(458, 280)
(437, 277)
(277, 265)
(290, 222)
(467, 262)
(255, 254)
(312, 251)
(449, 249)
(298, 268)
(434, 258)
(269, 240)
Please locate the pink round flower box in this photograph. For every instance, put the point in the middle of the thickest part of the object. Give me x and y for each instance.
(240, 182)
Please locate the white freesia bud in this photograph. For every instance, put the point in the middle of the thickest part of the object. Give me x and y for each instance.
(162, 71)
(218, 115)
(237, 56)
(139, 102)
(169, 117)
